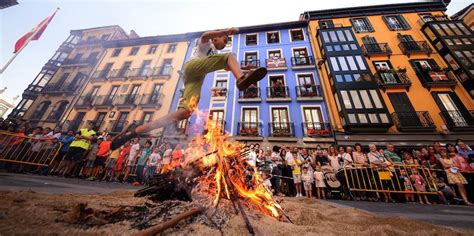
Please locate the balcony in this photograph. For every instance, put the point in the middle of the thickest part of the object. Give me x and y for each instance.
(90, 41)
(302, 62)
(316, 129)
(126, 101)
(120, 74)
(249, 131)
(59, 88)
(309, 92)
(278, 94)
(426, 19)
(376, 49)
(251, 94)
(84, 102)
(276, 64)
(390, 78)
(250, 63)
(162, 72)
(415, 47)
(413, 121)
(218, 93)
(100, 75)
(103, 101)
(79, 62)
(281, 129)
(457, 120)
(151, 100)
(139, 73)
(434, 78)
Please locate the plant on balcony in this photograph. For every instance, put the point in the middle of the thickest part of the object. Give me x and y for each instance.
(281, 132)
(218, 92)
(250, 131)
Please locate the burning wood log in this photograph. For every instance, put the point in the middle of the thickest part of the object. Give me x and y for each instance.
(170, 223)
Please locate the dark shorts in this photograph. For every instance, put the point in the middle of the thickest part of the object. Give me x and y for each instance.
(60, 156)
(100, 161)
(75, 154)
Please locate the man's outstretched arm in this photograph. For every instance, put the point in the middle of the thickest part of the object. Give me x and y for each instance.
(213, 34)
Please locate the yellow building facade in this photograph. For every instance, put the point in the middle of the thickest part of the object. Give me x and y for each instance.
(134, 82)
(383, 81)
(62, 87)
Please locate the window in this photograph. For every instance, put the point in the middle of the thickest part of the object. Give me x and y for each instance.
(125, 68)
(462, 58)
(167, 67)
(155, 94)
(99, 120)
(396, 22)
(346, 100)
(306, 79)
(447, 29)
(250, 39)
(326, 24)
(105, 37)
(221, 84)
(360, 62)
(297, 35)
(112, 93)
(352, 63)
(280, 115)
(273, 37)
(455, 29)
(451, 61)
(250, 115)
(334, 65)
(134, 51)
(425, 17)
(171, 48)
(145, 68)
(463, 28)
(216, 115)
(362, 25)
(466, 41)
(300, 52)
(343, 63)
(147, 117)
(349, 35)
(325, 37)
(333, 36)
(152, 49)
(376, 98)
(430, 34)
(366, 99)
(438, 29)
(356, 99)
(116, 52)
(120, 124)
(274, 54)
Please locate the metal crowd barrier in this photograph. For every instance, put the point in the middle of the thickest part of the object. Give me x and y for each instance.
(393, 179)
(19, 149)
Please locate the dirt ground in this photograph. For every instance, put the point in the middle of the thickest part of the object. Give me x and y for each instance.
(30, 213)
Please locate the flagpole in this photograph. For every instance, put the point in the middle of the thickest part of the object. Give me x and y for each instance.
(28, 40)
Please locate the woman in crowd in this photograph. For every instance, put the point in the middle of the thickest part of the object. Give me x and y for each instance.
(454, 175)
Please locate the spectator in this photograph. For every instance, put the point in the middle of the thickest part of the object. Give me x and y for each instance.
(348, 160)
(110, 164)
(307, 178)
(444, 191)
(90, 158)
(252, 156)
(319, 182)
(167, 159)
(322, 158)
(406, 186)
(267, 184)
(78, 147)
(454, 175)
(277, 169)
(307, 159)
(392, 155)
(102, 155)
(408, 159)
(461, 162)
(295, 163)
(59, 163)
(119, 164)
(143, 157)
(359, 156)
(333, 158)
(153, 163)
(464, 150)
(420, 185)
(132, 158)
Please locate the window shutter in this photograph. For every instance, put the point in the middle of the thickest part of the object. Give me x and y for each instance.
(404, 22)
(369, 25)
(356, 29)
(385, 19)
(418, 71)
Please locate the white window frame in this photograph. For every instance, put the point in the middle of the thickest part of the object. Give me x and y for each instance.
(269, 32)
(246, 39)
(291, 38)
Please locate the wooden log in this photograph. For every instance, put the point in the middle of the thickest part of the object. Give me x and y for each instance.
(168, 224)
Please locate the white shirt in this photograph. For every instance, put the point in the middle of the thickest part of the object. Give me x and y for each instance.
(334, 161)
(133, 151)
(252, 158)
(204, 49)
(154, 158)
(167, 156)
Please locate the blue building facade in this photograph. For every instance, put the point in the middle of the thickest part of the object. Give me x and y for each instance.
(286, 107)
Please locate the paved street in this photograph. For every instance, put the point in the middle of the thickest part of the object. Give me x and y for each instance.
(453, 215)
(53, 184)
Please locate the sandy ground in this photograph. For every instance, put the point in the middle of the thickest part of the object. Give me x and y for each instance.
(33, 213)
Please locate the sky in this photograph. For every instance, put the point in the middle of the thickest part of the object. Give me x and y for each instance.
(146, 17)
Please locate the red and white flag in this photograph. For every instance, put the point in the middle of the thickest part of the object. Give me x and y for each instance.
(34, 34)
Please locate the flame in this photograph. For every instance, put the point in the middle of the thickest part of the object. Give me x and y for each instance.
(213, 150)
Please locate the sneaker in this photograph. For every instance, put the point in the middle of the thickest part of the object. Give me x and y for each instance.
(124, 136)
(252, 77)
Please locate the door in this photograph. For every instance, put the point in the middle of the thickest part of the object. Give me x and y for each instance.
(145, 68)
(452, 111)
(133, 94)
(300, 56)
(217, 116)
(167, 67)
(251, 59)
(111, 96)
(383, 68)
(106, 70)
(280, 125)
(99, 120)
(408, 42)
(406, 114)
(74, 126)
(371, 44)
(120, 124)
(249, 120)
(124, 70)
(313, 120)
(156, 93)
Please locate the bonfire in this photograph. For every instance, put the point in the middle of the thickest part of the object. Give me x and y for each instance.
(217, 168)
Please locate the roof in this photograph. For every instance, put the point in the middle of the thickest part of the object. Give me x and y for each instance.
(460, 14)
(99, 28)
(434, 5)
(193, 35)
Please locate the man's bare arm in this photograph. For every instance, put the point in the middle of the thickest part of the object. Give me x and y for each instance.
(213, 34)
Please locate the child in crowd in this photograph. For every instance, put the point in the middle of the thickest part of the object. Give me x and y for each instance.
(110, 164)
(307, 178)
(319, 182)
(90, 158)
(444, 191)
(141, 162)
(407, 186)
(153, 164)
(132, 158)
(102, 154)
(420, 185)
(267, 184)
(119, 165)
